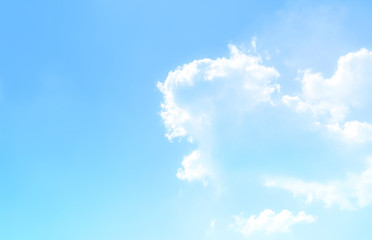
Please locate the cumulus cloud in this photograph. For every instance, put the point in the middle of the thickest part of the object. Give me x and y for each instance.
(332, 100)
(204, 92)
(269, 222)
(198, 94)
(193, 168)
(352, 193)
(353, 131)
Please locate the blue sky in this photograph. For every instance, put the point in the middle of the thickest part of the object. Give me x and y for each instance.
(185, 120)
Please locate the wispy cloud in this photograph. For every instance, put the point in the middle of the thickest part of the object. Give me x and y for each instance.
(269, 222)
(351, 193)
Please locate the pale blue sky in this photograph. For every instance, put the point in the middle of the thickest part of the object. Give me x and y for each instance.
(84, 153)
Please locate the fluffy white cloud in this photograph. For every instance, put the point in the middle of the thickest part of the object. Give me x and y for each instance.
(193, 168)
(269, 222)
(198, 94)
(354, 131)
(240, 77)
(352, 193)
(203, 92)
(331, 100)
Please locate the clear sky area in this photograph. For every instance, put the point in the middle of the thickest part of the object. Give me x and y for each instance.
(185, 120)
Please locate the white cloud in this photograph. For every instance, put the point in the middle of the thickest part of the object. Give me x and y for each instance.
(254, 44)
(193, 168)
(269, 222)
(213, 223)
(354, 131)
(352, 193)
(212, 228)
(198, 94)
(332, 100)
